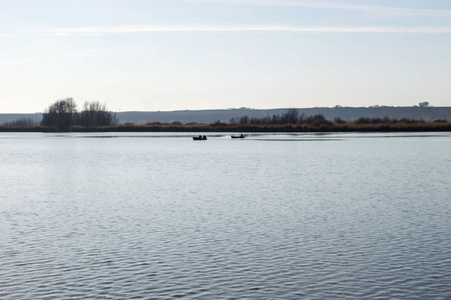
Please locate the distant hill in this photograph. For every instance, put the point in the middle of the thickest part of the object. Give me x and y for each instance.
(224, 115)
(36, 117)
(346, 113)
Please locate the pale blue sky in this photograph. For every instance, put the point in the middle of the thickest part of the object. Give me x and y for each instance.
(201, 54)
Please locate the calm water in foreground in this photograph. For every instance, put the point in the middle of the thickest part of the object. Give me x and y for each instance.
(158, 216)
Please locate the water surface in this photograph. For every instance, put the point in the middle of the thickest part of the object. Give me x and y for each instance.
(288, 216)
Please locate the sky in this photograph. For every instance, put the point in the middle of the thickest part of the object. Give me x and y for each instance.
(159, 55)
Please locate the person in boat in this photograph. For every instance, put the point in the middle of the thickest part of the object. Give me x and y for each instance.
(241, 135)
(204, 137)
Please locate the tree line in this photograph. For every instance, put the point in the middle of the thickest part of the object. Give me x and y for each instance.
(63, 114)
(22, 122)
(291, 116)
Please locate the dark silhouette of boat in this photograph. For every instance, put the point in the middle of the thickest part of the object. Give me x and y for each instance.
(241, 136)
(200, 138)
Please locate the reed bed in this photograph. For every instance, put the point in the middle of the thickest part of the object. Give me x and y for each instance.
(324, 126)
(330, 127)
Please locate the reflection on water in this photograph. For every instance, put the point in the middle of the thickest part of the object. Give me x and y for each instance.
(317, 136)
(160, 216)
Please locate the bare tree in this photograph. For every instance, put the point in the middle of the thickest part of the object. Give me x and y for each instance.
(96, 114)
(291, 116)
(244, 120)
(62, 114)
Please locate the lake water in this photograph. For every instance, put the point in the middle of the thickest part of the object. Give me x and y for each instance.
(272, 216)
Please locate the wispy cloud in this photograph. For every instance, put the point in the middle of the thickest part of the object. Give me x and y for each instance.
(49, 58)
(199, 29)
(384, 10)
(264, 28)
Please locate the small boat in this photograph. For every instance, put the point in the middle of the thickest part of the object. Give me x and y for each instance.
(200, 138)
(241, 136)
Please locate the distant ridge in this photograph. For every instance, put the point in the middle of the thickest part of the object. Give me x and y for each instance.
(346, 113)
(36, 117)
(224, 115)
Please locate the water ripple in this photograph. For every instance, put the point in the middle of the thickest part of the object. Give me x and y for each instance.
(163, 219)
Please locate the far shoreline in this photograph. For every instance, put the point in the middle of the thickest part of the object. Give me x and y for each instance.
(406, 126)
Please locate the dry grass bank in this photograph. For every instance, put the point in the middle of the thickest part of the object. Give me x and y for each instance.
(222, 127)
(327, 126)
